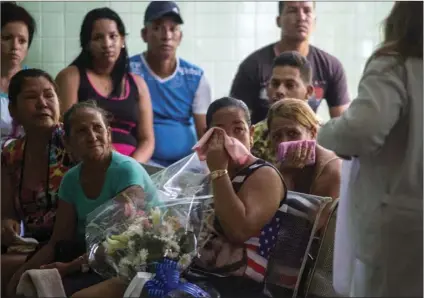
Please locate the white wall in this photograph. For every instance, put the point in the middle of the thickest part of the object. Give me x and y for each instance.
(217, 35)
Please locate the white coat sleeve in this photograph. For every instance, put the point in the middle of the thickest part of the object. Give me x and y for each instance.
(202, 97)
(363, 127)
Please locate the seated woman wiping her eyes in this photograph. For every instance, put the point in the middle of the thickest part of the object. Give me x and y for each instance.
(101, 176)
(247, 198)
(293, 120)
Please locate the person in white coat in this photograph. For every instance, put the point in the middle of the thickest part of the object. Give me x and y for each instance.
(383, 130)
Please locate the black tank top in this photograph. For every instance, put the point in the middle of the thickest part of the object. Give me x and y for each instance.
(123, 110)
(238, 181)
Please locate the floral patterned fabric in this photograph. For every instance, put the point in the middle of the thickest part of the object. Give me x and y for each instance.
(261, 144)
(35, 207)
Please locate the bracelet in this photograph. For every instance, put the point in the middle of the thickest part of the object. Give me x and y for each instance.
(218, 174)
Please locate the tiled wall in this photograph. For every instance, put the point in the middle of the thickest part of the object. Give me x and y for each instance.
(217, 35)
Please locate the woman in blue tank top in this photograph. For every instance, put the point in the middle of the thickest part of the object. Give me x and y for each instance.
(101, 73)
(17, 31)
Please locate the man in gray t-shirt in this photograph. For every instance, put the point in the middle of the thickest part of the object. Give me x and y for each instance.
(297, 21)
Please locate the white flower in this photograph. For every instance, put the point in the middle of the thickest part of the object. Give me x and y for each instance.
(141, 257)
(125, 262)
(131, 245)
(168, 243)
(185, 261)
(170, 254)
(167, 230)
(131, 258)
(173, 245)
(135, 229)
(125, 266)
(162, 228)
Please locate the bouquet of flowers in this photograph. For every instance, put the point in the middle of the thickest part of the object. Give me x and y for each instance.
(156, 233)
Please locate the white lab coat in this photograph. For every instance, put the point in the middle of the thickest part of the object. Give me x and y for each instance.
(383, 127)
(343, 246)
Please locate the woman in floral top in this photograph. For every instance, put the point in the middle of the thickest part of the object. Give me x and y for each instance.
(32, 166)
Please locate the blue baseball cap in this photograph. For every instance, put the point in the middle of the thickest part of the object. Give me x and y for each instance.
(158, 9)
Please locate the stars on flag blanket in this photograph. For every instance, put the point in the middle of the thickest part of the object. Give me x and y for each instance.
(268, 237)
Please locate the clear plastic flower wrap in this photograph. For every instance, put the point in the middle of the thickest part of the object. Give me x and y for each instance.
(134, 232)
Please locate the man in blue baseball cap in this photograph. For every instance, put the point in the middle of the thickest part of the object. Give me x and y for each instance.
(179, 90)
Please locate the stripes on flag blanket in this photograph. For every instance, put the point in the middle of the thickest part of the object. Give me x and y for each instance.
(293, 237)
(290, 228)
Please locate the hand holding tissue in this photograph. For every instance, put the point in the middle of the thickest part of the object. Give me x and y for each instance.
(297, 153)
(234, 148)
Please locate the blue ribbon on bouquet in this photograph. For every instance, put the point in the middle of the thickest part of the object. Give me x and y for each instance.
(167, 279)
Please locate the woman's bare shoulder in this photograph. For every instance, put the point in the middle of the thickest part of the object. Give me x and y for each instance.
(139, 81)
(267, 176)
(327, 163)
(323, 155)
(70, 72)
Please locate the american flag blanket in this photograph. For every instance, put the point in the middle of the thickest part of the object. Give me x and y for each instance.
(259, 248)
(291, 228)
(298, 214)
(282, 242)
